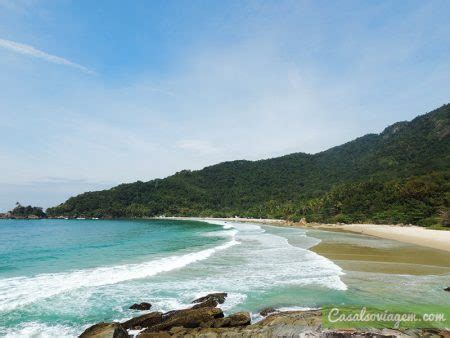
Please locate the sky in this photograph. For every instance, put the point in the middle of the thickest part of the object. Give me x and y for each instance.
(96, 93)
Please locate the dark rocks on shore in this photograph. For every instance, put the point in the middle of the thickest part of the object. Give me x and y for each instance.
(189, 318)
(267, 311)
(105, 330)
(141, 306)
(210, 302)
(209, 321)
(147, 320)
(234, 320)
(219, 297)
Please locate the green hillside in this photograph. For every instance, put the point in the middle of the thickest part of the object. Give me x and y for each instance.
(400, 175)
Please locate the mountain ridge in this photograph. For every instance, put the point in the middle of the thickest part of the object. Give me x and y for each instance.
(401, 152)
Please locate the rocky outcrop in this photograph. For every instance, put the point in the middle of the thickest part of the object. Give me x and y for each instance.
(190, 318)
(234, 320)
(267, 311)
(147, 320)
(218, 297)
(210, 302)
(447, 289)
(209, 322)
(105, 330)
(288, 324)
(141, 306)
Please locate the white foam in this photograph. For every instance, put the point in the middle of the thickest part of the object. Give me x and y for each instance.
(270, 260)
(40, 330)
(19, 291)
(226, 233)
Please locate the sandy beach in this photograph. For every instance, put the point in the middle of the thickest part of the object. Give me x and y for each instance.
(436, 239)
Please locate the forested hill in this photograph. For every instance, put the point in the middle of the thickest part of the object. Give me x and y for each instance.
(400, 176)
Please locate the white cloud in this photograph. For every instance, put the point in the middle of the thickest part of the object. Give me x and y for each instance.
(197, 146)
(31, 51)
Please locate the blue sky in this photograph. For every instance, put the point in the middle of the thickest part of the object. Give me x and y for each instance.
(94, 93)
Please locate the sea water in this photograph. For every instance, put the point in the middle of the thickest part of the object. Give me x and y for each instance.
(57, 277)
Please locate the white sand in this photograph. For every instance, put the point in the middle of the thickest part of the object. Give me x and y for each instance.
(437, 239)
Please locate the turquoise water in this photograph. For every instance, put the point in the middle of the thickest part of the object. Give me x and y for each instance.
(59, 276)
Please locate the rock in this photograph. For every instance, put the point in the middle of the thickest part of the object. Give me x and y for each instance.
(189, 318)
(267, 311)
(210, 302)
(142, 306)
(177, 330)
(234, 320)
(154, 335)
(105, 330)
(303, 221)
(219, 297)
(447, 289)
(147, 320)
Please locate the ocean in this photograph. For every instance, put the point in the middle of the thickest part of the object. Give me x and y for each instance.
(57, 277)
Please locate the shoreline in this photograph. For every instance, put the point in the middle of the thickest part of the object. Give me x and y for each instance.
(411, 234)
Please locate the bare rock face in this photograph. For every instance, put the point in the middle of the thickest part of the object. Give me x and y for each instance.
(219, 297)
(141, 306)
(210, 302)
(105, 330)
(147, 320)
(234, 320)
(189, 318)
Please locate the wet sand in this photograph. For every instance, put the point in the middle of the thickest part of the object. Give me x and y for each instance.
(393, 259)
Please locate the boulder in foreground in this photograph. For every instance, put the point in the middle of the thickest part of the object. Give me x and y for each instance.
(147, 320)
(105, 330)
(190, 318)
(234, 320)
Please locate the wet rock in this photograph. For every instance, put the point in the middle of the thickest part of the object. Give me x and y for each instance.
(105, 330)
(141, 306)
(234, 320)
(267, 311)
(147, 320)
(189, 318)
(447, 289)
(219, 297)
(210, 302)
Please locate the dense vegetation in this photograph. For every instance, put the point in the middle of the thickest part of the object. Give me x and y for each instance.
(27, 211)
(398, 176)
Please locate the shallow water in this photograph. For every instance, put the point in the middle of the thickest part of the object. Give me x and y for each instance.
(59, 276)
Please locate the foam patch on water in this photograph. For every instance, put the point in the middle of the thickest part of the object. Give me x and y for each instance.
(19, 291)
(272, 260)
(40, 330)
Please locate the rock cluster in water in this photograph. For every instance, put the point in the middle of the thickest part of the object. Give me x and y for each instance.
(206, 320)
(141, 306)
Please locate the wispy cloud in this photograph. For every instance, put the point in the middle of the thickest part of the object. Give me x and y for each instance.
(33, 52)
(198, 146)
